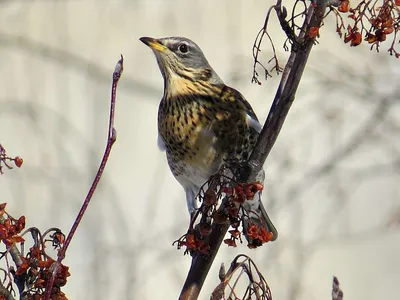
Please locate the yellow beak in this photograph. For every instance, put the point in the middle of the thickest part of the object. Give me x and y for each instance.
(154, 44)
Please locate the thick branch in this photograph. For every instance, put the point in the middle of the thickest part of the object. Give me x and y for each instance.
(201, 264)
(277, 115)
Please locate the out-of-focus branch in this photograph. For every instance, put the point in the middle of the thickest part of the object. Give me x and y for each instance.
(337, 293)
(112, 136)
(277, 115)
(69, 60)
(348, 148)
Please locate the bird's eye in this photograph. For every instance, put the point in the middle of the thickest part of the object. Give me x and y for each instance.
(183, 48)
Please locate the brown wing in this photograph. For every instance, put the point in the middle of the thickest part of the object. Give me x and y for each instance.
(234, 97)
(236, 124)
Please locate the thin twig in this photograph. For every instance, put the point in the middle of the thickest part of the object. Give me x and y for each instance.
(110, 141)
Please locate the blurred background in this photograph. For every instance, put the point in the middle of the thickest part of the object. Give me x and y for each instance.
(332, 186)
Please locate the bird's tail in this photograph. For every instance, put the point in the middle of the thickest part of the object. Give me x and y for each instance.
(258, 227)
(268, 223)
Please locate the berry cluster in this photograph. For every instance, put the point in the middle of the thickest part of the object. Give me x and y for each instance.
(34, 268)
(375, 21)
(229, 211)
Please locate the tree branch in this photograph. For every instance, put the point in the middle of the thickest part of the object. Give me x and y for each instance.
(280, 107)
(112, 136)
(287, 89)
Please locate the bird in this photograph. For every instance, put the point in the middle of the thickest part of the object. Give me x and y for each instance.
(201, 121)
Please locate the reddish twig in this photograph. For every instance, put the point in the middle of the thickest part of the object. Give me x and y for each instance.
(110, 141)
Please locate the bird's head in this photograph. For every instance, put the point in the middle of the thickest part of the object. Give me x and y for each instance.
(180, 58)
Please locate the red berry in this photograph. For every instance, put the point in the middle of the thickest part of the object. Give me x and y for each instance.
(18, 161)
